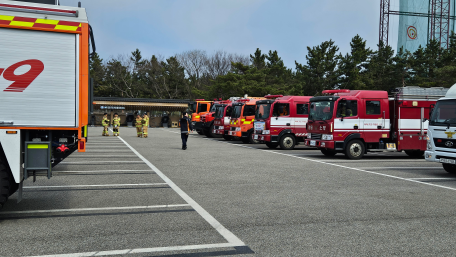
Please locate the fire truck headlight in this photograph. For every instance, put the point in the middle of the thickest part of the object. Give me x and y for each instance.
(429, 145)
(327, 137)
(309, 136)
(238, 129)
(266, 132)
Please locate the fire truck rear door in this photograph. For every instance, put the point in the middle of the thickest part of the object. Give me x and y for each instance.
(410, 126)
(39, 85)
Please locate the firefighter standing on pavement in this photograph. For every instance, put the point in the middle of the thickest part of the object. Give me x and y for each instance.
(138, 125)
(145, 125)
(105, 124)
(116, 124)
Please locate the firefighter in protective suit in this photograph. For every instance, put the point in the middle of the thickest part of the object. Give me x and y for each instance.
(116, 124)
(138, 125)
(145, 125)
(105, 124)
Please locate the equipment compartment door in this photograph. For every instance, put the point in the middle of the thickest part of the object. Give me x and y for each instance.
(410, 127)
(38, 78)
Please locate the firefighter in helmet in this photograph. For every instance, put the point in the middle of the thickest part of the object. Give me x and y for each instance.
(105, 124)
(116, 124)
(138, 125)
(145, 125)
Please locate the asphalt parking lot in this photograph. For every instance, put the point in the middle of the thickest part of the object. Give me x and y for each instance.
(132, 196)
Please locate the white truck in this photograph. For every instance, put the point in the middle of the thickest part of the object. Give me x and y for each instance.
(441, 139)
(44, 88)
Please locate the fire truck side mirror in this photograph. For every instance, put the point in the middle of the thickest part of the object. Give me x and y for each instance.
(431, 108)
(342, 118)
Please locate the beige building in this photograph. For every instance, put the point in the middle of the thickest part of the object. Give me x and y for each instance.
(160, 111)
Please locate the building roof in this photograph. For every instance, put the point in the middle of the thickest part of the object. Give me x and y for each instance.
(143, 100)
(143, 103)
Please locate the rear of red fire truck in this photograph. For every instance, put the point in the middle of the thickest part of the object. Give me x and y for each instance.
(281, 120)
(355, 122)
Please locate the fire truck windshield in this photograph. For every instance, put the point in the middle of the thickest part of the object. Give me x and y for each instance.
(321, 110)
(219, 112)
(444, 113)
(262, 111)
(213, 108)
(236, 112)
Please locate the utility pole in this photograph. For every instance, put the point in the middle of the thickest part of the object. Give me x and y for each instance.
(384, 21)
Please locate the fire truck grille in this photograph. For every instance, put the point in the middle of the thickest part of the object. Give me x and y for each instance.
(315, 136)
(445, 143)
(233, 128)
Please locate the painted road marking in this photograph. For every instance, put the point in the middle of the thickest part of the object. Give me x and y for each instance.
(345, 167)
(94, 162)
(97, 209)
(228, 235)
(107, 185)
(145, 250)
(402, 168)
(96, 171)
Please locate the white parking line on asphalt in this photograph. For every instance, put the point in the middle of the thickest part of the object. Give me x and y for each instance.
(449, 179)
(345, 167)
(89, 186)
(228, 235)
(93, 162)
(401, 168)
(144, 250)
(96, 209)
(96, 171)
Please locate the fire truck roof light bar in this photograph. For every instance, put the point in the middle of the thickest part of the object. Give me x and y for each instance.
(39, 10)
(243, 100)
(335, 91)
(272, 96)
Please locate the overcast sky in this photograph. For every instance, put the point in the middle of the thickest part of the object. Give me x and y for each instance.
(168, 27)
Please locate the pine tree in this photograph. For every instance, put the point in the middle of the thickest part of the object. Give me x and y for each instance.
(352, 66)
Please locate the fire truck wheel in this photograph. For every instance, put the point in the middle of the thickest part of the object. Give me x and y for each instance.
(354, 150)
(251, 140)
(450, 168)
(227, 138)
(328, 152)
(4, 184)
(272, 145)
(415, 154)
(287, 142)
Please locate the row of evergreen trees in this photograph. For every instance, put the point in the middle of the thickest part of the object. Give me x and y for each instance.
(195, 74)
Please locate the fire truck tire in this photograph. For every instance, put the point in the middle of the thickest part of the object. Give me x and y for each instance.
(287, 142)
(227, 138)
(450, 168)
(327, 152)
(415, 154)
(272, 145)
(251, 140)
(4, 184)
(354, 150)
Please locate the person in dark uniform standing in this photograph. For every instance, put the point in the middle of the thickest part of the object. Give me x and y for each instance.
(186, 128)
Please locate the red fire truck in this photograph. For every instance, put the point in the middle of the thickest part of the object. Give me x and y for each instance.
(208, 119)
(222, 120)
(354, 122)
(281, 121)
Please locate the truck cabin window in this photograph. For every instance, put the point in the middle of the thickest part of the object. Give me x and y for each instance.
(444, 113)
(321, 110)
(202, 107)
(262, 111)
(229, 109)
(219, 111)
(347, 108)
(302, 109)
(249, 110)
(213, 108)
(281, 110)
(237, 110)
(373, 108)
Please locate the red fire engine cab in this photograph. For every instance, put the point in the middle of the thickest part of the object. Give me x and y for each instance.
(281, 120)
(222, 120)
(354, 122)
